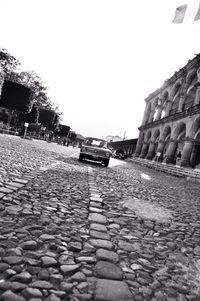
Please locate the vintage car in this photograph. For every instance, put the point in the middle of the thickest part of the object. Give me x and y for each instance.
(95, 149)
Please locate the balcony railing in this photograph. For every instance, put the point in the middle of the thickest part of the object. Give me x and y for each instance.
(173, 116)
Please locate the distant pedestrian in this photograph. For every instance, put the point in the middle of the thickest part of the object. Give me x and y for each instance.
(179, 155)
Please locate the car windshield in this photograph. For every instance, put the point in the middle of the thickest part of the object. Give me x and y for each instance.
(95, 142)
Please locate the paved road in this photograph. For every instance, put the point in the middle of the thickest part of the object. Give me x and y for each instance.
(80, 231)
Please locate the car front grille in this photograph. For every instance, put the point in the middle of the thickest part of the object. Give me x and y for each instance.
(96, 152)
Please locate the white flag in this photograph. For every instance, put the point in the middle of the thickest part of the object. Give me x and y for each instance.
(180, 14)
(197, 16)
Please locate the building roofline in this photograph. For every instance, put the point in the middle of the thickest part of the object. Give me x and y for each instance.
(174, 77)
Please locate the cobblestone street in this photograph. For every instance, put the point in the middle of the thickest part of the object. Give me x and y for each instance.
(78, 231)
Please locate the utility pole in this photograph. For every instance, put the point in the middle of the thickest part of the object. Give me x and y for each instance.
(124, 136)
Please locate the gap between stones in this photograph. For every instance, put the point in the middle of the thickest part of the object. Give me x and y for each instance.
(109, 285)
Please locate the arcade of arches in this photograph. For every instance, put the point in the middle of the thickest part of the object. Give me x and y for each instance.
(170, 130)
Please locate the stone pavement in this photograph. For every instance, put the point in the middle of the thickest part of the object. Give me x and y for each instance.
(158, 242)
(75, 231)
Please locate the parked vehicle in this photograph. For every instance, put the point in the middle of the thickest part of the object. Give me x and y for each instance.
(119, 154)
(95, 149)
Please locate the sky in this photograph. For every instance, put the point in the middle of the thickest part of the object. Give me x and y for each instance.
(100, 58)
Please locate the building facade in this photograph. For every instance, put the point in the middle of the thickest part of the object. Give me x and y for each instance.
(170, 130)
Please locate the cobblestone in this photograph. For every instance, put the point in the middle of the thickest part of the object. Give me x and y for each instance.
(102, 254)
(76, 231)
(108, 270)
(97, 218)
(109, 290)
(158, 250)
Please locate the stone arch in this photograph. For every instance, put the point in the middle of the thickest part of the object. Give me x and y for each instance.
(195, 156)
(156, 135)
(148, 140)
(155, 139)
(165, 96)
(165, 102)
(176, 143)
(145, 145)
(189, 88)
(190, 97)
(148, 136)
(150, 111)
(169, 103)
(175, 97)
(166, 132)
(194, 133)
(190, 77)
(192, 84)
(155, 102)
(141, 137)
(179, 135)
(152, 145)
(178, 130)
(194, 128)
(158, 105)
(175, 104)
(175, 89)
(166, 135)
(187, 82)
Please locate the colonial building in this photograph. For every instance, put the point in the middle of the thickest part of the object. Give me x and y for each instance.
(170, 129)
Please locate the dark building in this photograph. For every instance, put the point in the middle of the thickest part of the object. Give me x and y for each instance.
(127, 146)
